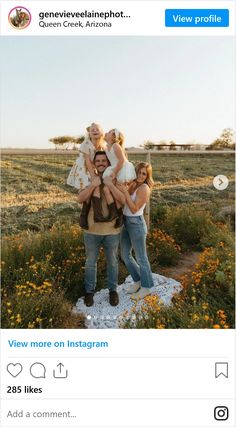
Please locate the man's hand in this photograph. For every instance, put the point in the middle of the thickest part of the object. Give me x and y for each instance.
(96, 181)
(87, 192)
(113, 175)
(107, 180)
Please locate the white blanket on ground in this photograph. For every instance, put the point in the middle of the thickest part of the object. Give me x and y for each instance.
(102, 315)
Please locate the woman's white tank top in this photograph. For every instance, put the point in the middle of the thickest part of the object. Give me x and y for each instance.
(127, 211)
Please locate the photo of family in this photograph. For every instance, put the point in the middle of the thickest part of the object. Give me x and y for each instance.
(19, 18)
(106, 229)
(127, 226)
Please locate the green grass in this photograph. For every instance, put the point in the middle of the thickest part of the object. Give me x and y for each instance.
(43, 254)
(35, 195)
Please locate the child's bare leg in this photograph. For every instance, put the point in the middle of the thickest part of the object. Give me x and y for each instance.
(97, 192)
(97, 206)
(108, 195)
(118, 205)
(119, 221)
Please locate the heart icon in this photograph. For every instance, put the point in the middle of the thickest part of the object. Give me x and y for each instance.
(14, 369)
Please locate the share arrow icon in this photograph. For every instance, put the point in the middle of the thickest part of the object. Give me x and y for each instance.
(60, 371)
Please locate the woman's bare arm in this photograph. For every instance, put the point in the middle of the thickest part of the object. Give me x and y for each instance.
(142, 197)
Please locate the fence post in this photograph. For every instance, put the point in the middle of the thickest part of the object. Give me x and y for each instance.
(147, 208)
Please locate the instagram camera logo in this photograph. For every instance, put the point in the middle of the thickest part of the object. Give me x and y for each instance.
(19, 17)
(221, 413)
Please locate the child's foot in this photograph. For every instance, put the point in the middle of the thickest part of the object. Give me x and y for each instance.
(97, 210)
(120, 220)
(83, 220)
(142, 293)
(113, 212)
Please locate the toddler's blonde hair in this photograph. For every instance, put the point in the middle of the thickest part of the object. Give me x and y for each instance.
(119, 138)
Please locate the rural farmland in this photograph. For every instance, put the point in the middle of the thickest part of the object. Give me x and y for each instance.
(42, 246)
(35, 195)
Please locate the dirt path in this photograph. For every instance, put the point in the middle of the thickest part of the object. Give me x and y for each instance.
(185, 266)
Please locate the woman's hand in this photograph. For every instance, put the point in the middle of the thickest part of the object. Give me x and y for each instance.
(122, 187)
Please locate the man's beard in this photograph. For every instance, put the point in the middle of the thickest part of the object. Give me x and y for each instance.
(101, 170)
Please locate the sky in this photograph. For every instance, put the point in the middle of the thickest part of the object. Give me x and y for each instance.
(151, 88)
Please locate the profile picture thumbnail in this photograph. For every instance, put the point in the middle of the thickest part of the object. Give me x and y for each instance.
(19, 17)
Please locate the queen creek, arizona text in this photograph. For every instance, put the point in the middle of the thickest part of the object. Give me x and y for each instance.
(79, 24)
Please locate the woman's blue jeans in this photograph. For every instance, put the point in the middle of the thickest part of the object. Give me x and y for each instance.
(110, 244)
(133, 237)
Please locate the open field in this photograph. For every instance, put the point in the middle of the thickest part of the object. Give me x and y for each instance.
(35, 195)
(190, 239)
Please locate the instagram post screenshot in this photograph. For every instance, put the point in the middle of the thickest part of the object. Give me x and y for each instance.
(118, 130)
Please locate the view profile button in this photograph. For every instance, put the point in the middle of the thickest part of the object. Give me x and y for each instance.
(196, 17)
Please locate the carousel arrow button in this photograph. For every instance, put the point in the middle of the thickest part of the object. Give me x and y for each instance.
(220, 182)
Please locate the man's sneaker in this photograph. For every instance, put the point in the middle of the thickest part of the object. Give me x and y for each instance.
(113, 298)
(88, 300)
(142, 293)
(134, 287)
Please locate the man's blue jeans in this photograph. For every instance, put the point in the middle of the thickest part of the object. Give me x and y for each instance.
(110, 244)
(133, 237)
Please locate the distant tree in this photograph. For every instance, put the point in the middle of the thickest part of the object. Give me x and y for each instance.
(66, 141)
(172, 146)
(160, 145)
(78, 140)
(61, 141)
(224, 142)
(148, 145)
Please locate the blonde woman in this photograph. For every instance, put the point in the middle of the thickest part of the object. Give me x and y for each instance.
(134, 232)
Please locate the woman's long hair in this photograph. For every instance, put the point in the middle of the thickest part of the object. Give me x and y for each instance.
(149, 180)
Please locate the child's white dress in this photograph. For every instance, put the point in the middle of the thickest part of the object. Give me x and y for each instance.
(127, 172)
(79, 176)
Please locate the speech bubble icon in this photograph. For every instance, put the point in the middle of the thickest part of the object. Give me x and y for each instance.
(38, 370)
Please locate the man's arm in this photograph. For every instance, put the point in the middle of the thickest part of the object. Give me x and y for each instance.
(117, 194)
(88, 191)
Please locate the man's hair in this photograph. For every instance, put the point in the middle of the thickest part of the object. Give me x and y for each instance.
(99, 153)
